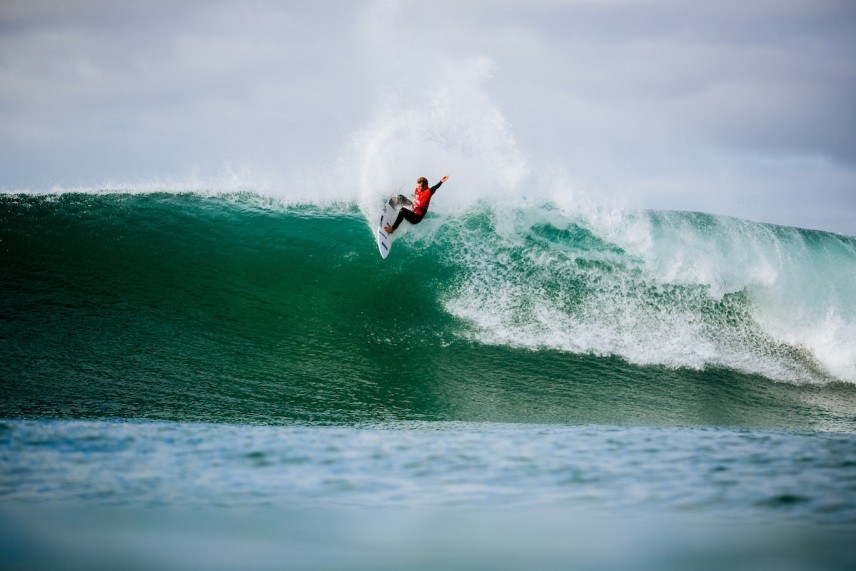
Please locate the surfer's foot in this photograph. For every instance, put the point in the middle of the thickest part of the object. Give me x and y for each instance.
(389, 229)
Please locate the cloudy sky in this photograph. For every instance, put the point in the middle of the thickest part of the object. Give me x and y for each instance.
(738, 108)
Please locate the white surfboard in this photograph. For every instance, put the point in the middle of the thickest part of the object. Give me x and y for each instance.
(387, 218)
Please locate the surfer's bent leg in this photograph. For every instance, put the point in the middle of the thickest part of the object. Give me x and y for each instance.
(401, 200)
(409, 215)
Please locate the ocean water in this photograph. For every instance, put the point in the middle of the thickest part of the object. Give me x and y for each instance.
(195, 380)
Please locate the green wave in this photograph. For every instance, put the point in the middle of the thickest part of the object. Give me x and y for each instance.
(242, 308)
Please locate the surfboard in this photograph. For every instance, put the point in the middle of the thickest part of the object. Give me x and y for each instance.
(387, 218)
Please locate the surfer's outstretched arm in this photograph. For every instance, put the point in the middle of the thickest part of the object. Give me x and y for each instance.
(434, 188)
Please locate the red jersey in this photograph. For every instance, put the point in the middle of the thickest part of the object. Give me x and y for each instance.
(423, 198)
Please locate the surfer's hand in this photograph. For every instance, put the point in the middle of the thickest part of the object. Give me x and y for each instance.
(444, 179)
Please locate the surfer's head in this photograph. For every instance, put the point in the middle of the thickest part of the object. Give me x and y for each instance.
(422, 181)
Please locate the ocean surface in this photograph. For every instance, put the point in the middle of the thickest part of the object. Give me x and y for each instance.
(193, 380)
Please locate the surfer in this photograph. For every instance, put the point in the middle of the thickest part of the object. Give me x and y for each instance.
(414, 210)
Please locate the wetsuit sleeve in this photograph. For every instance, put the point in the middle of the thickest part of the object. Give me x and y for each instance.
(434, 188)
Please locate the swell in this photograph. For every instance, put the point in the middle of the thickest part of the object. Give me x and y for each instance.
(241, 309)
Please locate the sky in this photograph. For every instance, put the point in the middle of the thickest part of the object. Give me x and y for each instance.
(737, 108)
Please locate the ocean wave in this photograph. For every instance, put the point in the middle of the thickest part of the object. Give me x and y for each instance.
(676, 289)
(237, 307)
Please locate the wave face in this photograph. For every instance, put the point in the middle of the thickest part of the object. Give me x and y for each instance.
(239, 308)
